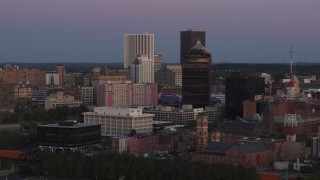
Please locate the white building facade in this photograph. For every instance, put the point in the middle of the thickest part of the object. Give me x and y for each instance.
(119, 121)
(138, 44)
(142, 70)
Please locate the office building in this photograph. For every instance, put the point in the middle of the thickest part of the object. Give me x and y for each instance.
(109, 71)
(96, 81)
(170, 75)
(68, 135)
(60, 100)
(241, 87)
(142, 70)
(197, 77)
(70, 78)
(62, 73)
(15, 75)
(180, 116)
(188, 39)
(128, 94)
(39, 93)
(137, 44)
(157, 61)
(202, 133)
(87, 95)
(119, 121)
(22, 91)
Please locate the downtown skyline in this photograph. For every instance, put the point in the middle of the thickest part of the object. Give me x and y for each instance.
(246, 31)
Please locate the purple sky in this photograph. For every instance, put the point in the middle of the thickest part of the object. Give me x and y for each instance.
(92, 30)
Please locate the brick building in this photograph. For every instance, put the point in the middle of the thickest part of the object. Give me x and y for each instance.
(258, 154)
(128, 94)
(15, 75)
(201, 133)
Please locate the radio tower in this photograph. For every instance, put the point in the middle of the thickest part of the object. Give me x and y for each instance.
(291, 53)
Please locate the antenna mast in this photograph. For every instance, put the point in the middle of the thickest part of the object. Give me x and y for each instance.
(291, 53)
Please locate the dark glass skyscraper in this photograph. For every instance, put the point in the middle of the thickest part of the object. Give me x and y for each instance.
(188, 39)
(240, 87)
(196, 76)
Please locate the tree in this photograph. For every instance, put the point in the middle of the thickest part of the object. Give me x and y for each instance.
(133, 132)
(192, 123)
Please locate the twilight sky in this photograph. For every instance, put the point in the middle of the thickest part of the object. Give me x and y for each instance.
(92, 30)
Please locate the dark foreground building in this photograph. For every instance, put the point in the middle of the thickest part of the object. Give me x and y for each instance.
(197, 77)
(68, 135)
(240, 87)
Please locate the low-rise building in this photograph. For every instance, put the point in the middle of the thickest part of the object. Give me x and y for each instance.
(22, 92)
(258, 155)
(68, 135)
(181, 116)
(59, 100)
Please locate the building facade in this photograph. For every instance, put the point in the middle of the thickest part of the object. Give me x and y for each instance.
(181, 116)
(241, 87)
(142, 70)
(15, 75)
(137, 44)
(197, 77)
(188, 39)
(157, 61)
(68, 135)
(119, 121)
(202, 133)
(59, 100)
(62, 73)
(96, 81)
(52, 79)
(169, 75)
(128, 94)
(22, 92)
(87, 95)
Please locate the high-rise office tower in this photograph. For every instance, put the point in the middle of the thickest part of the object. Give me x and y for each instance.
(142, 70)
(157, 61)
(62, 74)
(137, 44)
(188, 39)
(242, 86)
(197, 76)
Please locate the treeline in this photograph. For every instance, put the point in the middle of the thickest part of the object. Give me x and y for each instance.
(312, 172)
(16, 140)
(68, 165)
(42, 115)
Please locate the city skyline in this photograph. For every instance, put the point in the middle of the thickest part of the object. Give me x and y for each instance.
(246, 31)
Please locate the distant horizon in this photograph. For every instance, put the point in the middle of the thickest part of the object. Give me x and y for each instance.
(60, 62)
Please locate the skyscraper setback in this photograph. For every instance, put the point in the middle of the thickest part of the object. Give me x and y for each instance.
(188, 39)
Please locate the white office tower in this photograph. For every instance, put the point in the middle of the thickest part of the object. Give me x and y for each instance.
(137, 44)
(142, 70)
